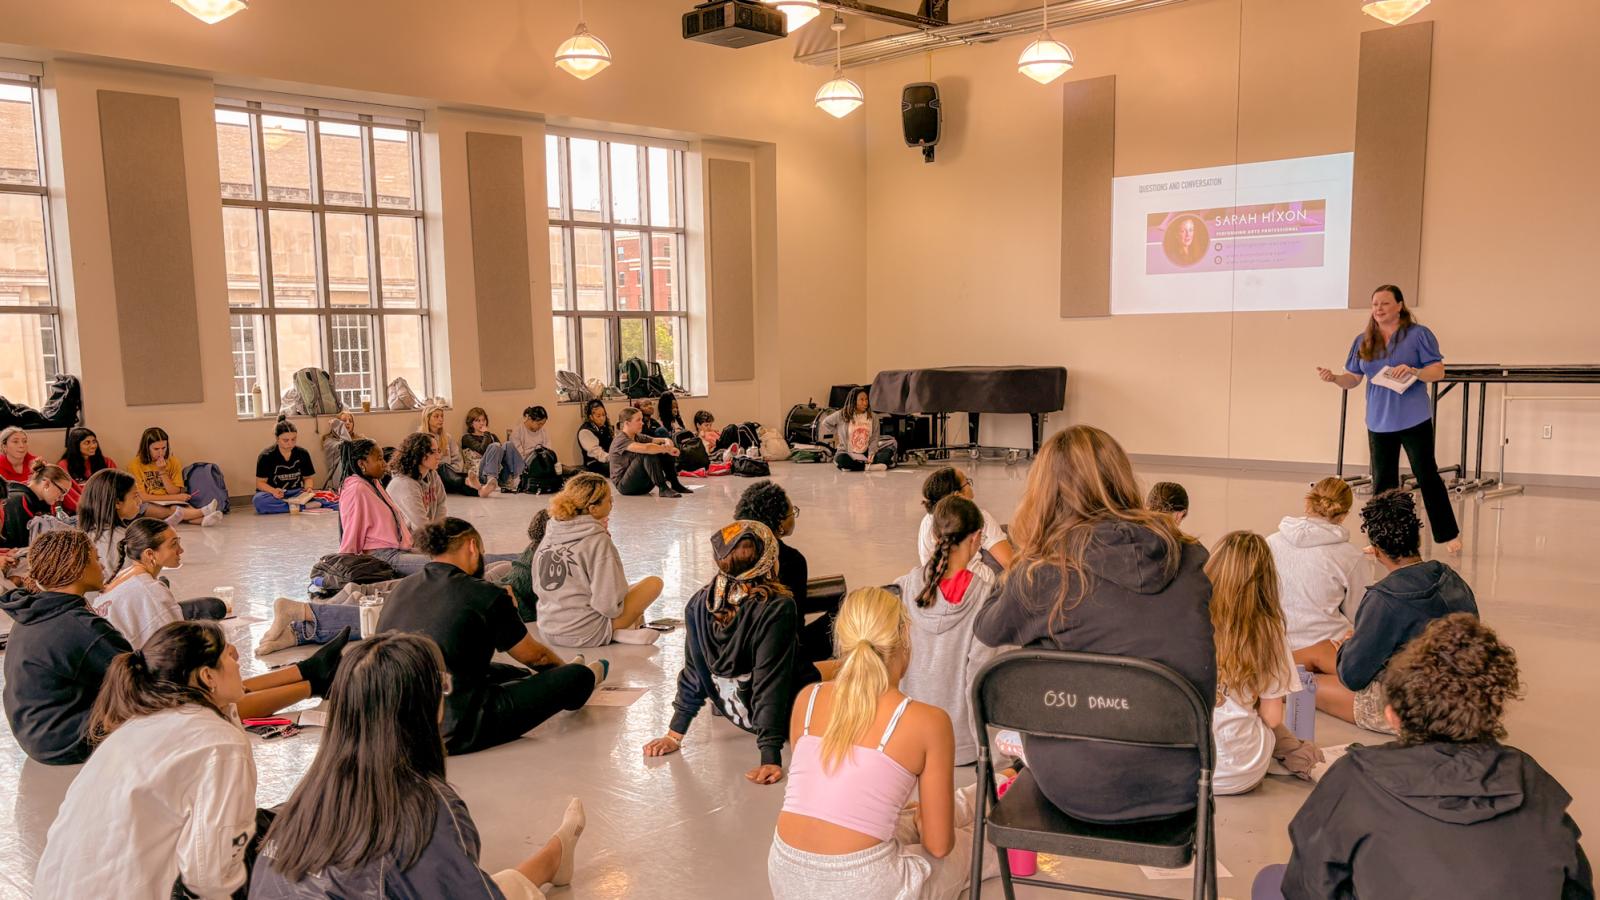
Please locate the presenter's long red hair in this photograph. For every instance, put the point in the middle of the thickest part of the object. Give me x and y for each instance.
(1372, 342)
(1080, 479)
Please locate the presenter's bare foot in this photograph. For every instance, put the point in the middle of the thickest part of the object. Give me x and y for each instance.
(1454, 547)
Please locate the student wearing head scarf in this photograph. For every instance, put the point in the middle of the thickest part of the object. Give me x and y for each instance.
(741, 649)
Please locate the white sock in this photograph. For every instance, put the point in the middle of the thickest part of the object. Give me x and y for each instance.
(572, 825)
(635, 635)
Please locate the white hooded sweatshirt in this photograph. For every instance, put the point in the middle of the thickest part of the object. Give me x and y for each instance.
(1321, 578)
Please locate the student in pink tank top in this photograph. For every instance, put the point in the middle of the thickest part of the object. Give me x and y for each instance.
(861, 747)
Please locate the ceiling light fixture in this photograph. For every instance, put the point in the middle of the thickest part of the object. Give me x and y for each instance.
(797, 14)
(211, 11)
(1393, 12)
(1046, 59)
(841, 96)
(583, 55)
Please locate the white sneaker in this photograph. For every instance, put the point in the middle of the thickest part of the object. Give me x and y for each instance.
(877, 467)
(209, 508)
(635, 635)
(210, 519)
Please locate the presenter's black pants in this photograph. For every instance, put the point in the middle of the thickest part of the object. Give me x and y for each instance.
(1417, 441)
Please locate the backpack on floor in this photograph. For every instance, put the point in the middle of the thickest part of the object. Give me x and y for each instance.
(773, 446)
(542, 475)
(692, 455)
(751, 468)
(317, 397)
(332, 572)
(205, 484)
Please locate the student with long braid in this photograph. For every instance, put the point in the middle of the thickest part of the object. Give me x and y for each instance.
(941, 483)
(942, 600)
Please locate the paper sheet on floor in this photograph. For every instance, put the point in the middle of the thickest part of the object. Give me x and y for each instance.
(615, 695)
(307, 718)
(1186, 873)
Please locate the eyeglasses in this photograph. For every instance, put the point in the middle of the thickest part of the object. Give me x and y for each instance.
(445, 684)
(794, 511)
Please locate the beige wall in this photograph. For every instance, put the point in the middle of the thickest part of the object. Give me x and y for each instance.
(471, 66)
(963, 259)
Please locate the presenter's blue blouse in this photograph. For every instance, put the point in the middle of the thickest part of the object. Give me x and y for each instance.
(1387, 411)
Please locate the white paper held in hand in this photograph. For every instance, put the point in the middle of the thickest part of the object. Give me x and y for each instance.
(1385, 378)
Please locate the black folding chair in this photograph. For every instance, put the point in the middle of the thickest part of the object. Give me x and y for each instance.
(1090, 697)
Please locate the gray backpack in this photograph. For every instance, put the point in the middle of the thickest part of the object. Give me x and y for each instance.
(317, 397)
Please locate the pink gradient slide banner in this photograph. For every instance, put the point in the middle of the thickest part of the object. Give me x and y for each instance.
(1262, 236)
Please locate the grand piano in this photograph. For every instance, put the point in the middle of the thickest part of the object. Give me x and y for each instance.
(1033, 391)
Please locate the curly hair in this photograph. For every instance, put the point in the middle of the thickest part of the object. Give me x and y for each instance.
(765, 502)
(445, 536)
(1390, 521)
(1452, 682)
(415, 448)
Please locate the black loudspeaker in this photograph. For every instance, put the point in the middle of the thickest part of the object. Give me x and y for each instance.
(921, 116)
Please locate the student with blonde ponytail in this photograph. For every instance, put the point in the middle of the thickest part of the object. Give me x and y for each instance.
(861, 747)
(942, 598)
(170, 795)
(1321, 575)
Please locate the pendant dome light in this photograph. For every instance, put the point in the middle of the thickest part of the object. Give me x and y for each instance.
(211, 11)
(583, 55)
(797, 14)
(1046, 59)
(1393, 12)
(841, 96)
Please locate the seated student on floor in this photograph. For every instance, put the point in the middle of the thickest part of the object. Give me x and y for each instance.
(639, 463)
(741, 649)
(585, 599)
(1097, 572)
(595, 436)
(498, 462)
(341, 431)
(860, 748)
(1446, 811)
(26, 502)
(856, 440)
(943, 597)
(521, 583)
(169, 796)
(530, 436)
(705, 425)
(414, 481)
(942, 483)
(453, 470)
(82, 458)
(768, 503)
(140, 604)
(1392, 612)
(1169, 497)
(374, 816)
(283, 472)
(647, 411)
(16, 463)
(160, 477)
(471, 619)
(1255, 670)
(1321, 575)
(58, 650)
(668, 420)
(110, 503)
(370, 521)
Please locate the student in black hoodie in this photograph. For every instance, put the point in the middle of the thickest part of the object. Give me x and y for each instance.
(45, 487)
(740, 649)
(1394, 611)
(1448, 810)
(58, 651)
(1097, 572)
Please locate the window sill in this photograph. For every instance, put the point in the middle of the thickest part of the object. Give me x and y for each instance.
(625, 400)
(354, 412)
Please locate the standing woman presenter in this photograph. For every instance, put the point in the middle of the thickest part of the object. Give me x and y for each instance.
(1396, 341)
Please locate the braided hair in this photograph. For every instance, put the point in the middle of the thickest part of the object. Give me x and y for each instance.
(351, 455)
(955, 519)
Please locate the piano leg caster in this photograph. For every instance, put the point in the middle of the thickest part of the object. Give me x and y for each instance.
(1012, 456)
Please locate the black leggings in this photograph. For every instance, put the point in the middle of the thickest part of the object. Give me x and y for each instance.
(849, 463)
(646, 471)
(455, 482)
(1418, 444)
(516, 700)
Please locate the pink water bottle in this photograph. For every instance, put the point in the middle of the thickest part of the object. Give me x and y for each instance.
(1024, 863)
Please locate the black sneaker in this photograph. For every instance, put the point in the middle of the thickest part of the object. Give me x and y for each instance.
(668, 492)
(681, 489)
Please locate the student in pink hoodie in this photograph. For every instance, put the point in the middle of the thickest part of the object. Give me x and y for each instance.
(369, 521)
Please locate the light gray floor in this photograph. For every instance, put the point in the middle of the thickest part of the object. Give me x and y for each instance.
(690, 826)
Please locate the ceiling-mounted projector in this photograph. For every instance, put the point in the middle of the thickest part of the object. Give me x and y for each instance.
(733, 23)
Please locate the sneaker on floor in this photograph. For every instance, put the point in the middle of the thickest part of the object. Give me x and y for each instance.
(681, 489)
(210, 519)
(635, 635)
(877, 467)
(668, 493)
(209, 508)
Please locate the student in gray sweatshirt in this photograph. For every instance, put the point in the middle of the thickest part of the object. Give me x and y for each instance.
(943, 599)
(584, 596)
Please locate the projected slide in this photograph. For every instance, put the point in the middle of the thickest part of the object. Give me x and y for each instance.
(1260, 236)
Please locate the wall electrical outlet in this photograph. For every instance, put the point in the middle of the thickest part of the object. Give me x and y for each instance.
(1546, 433)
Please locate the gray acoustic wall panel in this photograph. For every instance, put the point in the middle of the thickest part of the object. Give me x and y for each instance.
(500, 268)
(1088, 152)
(731, 258)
